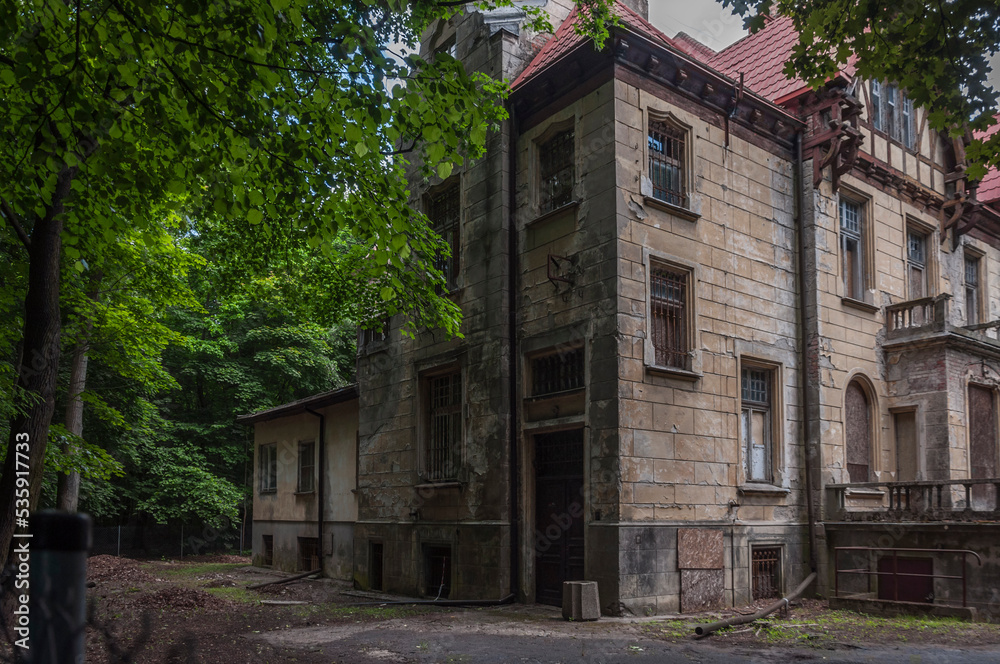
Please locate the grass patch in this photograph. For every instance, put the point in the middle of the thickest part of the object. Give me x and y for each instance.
(240, 595)
(358, 612)
(199, 569)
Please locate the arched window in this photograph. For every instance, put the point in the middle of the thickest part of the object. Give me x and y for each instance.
(857, 432)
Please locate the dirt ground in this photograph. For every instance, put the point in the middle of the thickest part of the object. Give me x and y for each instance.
(200, 610)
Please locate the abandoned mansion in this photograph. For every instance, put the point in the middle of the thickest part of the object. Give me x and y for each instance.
(720, 330)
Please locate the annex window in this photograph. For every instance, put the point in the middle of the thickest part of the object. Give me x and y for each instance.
(857, 432)
(665, 143)
(444, 426)
(308, 554)
(756, 387)
(852, 248)
(670, 311)
(445, 213)
(892, 113)
(916, 264)
(267, 550)
(307, 467)
(268, 460)
(557, 372)
(973, 308)
(556, 171)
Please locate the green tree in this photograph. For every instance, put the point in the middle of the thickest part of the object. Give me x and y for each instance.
(937, 51)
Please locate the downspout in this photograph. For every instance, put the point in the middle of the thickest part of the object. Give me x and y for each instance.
(807, 350)
(321, 443)
(512, 267)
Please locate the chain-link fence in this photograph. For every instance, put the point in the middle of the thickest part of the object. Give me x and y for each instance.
(171, 540)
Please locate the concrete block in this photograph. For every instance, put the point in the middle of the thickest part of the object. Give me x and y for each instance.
(580, 600)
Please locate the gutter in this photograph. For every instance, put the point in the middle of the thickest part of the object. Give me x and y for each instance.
(321, 443)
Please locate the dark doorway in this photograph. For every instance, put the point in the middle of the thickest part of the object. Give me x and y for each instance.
(559, 509)
(906, 588)
(376, 564)
(982, 444)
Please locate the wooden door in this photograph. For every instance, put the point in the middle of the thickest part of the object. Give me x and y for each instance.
(559, 509)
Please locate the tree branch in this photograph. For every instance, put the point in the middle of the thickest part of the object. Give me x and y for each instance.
(15, 224)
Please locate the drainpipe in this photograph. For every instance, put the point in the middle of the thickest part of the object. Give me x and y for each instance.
(512, 268)
(807, 358)
(321, 480)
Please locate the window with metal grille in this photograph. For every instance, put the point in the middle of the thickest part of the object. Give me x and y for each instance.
(376, 562)
(557, 372)
(445, 213)
(437, 571)
(308, 554)
(765, 572)
(666, 162)
(267, 550)
(755, 425)
(916, 264)
(852, 248)
(444, 426)
(669, 309)
(972, 316)
(556, 171)
(307, 466)
(268, 468)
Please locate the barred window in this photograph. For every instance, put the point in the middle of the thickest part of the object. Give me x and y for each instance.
(268, 460)
(852, 248)
(445, 213)
(670, 311)
(307, 466)
(666, 162)
(557, 372)
(755, 425)
(556, 171)
(444, 426)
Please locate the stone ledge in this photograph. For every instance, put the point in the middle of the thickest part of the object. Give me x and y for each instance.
(675, 210)
(672, 372)
(763, 490)
(858, 304)
(888, 607)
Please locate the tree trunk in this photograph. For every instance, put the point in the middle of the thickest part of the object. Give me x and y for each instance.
(39, 366)
(68, 493)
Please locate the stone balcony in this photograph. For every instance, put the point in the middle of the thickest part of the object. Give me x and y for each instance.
(928, 319)
(964, 500)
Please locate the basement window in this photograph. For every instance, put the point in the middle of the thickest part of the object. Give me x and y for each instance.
(437, 571)
(308, 554)
(765, 572)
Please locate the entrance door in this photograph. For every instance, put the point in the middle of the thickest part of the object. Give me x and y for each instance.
(559, 509)
(982, 444)
(898, 579)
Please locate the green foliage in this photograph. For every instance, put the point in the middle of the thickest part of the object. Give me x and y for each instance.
(937, 52)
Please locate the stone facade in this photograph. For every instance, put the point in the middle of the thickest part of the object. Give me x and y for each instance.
(708, 328)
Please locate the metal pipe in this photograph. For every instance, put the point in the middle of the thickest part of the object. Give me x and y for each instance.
(321, 480)
(705, 630)
(512, 267)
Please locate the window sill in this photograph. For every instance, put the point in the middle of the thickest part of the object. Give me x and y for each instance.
(450, 484)
(677, 210)
(673, 372)
(763, 490)
(305, 493)
(268, 492)
(554, 395)
(559, 211)
(861, 306)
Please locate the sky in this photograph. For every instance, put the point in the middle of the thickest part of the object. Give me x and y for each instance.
(705, 20)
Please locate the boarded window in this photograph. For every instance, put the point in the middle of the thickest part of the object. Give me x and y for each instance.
(669, 309)
(444, 426)
(307, 466)
(905, 424)
(857, 431)
(852, 248)
(972, 315)
(308, 554)
(437, 571)
(755, 425)
(916, 264)
(268, 468)
(982, 443)
(666, 162)
(445, 212)
(766, 572)
(557, 372)
(556, 171)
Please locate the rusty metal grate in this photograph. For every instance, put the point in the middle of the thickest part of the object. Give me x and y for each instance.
(308, 554)
(556, 171)
(669, 309)
(444, 440)
(559, 454)
(765, 572)
(557, 372)
(445, 212)
(376, 561)
(666, 162)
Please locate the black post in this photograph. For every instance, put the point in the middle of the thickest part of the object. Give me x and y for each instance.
(58, 601)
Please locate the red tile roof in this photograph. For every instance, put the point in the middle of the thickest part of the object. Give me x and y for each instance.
(566, 40)
(761, 58)
(693, 47)
(989, 186)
